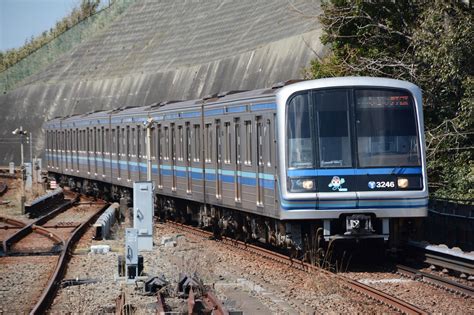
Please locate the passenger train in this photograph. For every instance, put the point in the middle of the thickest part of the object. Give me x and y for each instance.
(293, 165)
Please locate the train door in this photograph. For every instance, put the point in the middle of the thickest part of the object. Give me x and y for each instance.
(180, 163)
(128, 153)
(218, 159)
(89, 145)
(197, 161)
(76, 135)
(138, 151)
(61, 150)
(159, 154)
(56, 148)
(173, 156)
(260, 162)
(238, 162)
(188, 157)
(94, 148)
(66, 150)
(117, 150)
(102, 149)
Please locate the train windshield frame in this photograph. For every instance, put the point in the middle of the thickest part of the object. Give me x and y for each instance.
(362, 127)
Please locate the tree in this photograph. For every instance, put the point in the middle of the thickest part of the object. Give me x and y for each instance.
(428, 43)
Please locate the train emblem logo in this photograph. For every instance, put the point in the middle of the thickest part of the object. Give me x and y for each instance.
(336, 184)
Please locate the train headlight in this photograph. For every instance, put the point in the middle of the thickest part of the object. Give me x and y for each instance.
(302, 185)
(402, 182)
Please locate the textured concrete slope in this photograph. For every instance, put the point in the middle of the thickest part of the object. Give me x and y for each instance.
(162, 50)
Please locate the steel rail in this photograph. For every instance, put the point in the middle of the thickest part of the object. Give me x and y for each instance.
(3, 188)
(14, 222)
(160, 304)
(361, 288)
(29, 228)
(213, 303)
(448, 284)
(443, 260)
(55, 280)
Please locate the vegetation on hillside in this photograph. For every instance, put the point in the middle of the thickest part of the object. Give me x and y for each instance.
(12, 56)
(429, 43)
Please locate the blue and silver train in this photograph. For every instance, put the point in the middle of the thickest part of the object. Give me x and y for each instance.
(338, 158)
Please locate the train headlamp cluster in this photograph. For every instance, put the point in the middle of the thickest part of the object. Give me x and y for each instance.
(302, 185)
(402, 182)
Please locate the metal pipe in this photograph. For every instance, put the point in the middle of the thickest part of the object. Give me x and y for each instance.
(148, 126)
(21, 142)
(31, 148)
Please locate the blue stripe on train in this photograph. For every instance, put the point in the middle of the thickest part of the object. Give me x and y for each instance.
(245, 178)
(356, 171)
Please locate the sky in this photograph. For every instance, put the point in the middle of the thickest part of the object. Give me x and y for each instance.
(21, 19)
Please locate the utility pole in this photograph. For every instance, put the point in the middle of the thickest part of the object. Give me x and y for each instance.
(22, 133)
(148, 126)
(31, 147)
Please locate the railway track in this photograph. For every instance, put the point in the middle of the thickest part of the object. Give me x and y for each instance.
(3, 188)
(438, 281)
(393, 302)
(51, 237)
(456, 261)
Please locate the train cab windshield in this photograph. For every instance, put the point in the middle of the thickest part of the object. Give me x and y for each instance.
(341, 128)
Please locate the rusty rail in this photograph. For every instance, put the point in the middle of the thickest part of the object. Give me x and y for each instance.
(213, 303)
(55, 280)
(29, 228)
(366, 290)
(160, 304)
(3, 188)
(119, 304)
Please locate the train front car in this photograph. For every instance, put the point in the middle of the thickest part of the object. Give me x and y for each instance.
(352, 156)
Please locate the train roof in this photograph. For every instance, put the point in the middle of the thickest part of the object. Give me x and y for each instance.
(235, 97)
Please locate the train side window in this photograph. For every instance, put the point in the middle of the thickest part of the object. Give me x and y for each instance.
(227, 143)
(81, 141)
(55, 141)
(153, 144)
(144, 143)
(125, 142)
(88, 141)
(248, 142)
(260, 142)
(65, 137)
(107, 141)
(139, 144)
(167, 144)
(208, 143)
(173, 143)
(128, 142)
(180, 148)
(114, 140)
(115, 146)
(96, 140)
(334, 131)
(218, 142)
(71, 140)
(299, 132)
(160, 143)
(188, 142)
(197, 143)
(269, 140)
(134, 143)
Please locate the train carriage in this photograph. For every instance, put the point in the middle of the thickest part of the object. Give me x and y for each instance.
(330, 158)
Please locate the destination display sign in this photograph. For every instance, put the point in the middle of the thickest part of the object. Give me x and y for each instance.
(382, 100)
